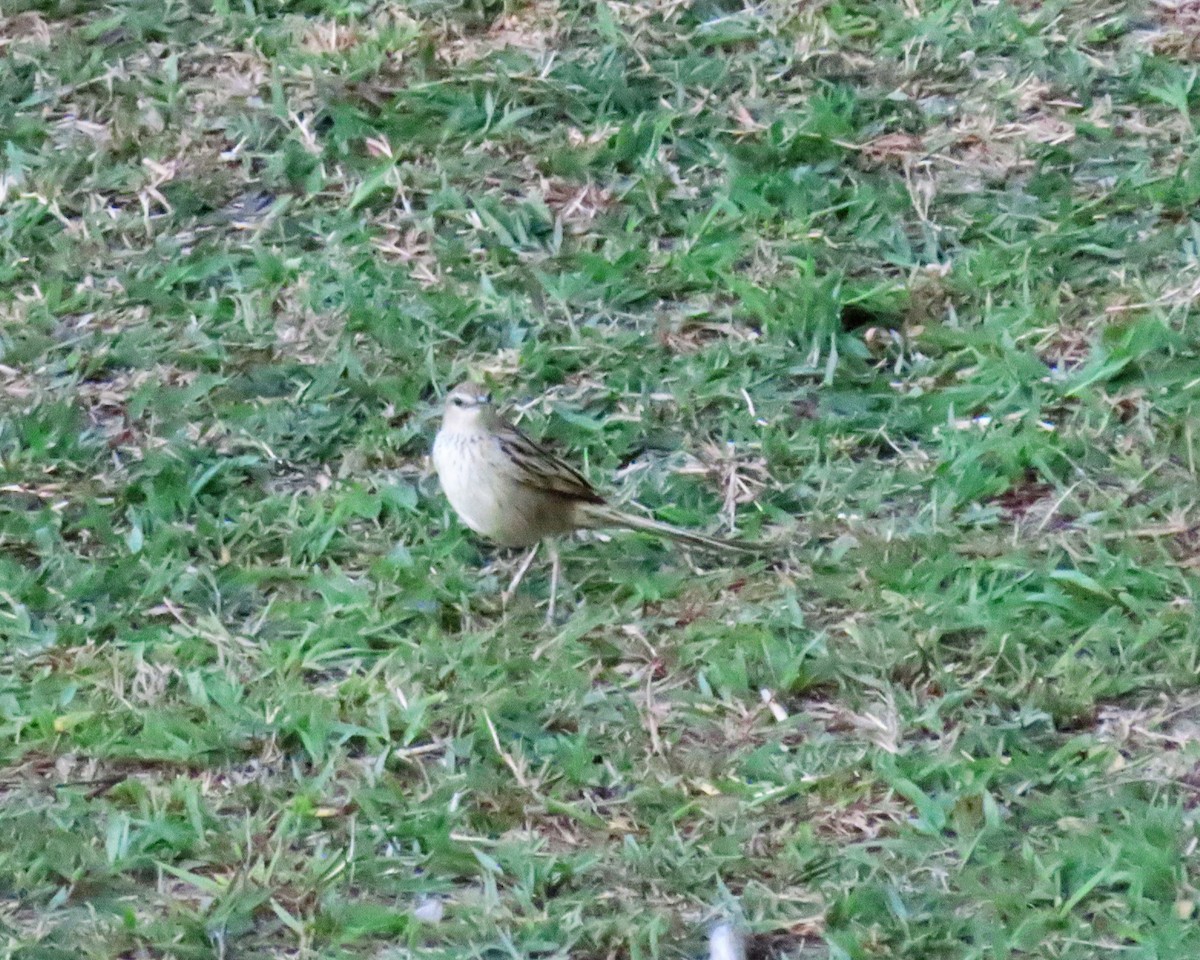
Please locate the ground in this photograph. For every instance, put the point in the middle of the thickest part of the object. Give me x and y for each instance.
(905, 290)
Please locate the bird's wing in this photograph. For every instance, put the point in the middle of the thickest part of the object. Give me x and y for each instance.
(531, 464)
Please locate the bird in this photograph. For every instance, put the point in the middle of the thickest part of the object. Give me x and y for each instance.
(513, 491)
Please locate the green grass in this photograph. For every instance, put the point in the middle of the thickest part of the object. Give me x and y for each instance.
(909, 288)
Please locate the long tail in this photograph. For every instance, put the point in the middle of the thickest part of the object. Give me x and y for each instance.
(602, 515)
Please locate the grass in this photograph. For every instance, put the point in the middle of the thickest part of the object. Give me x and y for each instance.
(909, 288)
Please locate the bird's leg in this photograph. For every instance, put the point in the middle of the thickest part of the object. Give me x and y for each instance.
(555, 570)
(520, 575)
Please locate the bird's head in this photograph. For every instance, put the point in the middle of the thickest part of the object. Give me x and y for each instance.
(468, 406)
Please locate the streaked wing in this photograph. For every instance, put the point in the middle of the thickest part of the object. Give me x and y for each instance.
(533, 465)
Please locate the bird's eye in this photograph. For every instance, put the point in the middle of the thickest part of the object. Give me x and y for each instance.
(457, 401)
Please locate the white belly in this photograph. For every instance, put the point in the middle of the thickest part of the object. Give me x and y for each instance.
(474, 502)
(489, 500)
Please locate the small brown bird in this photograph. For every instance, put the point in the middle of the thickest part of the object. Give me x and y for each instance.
(516, 493)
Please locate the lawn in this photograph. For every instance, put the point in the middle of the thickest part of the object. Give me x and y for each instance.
(906, 289)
